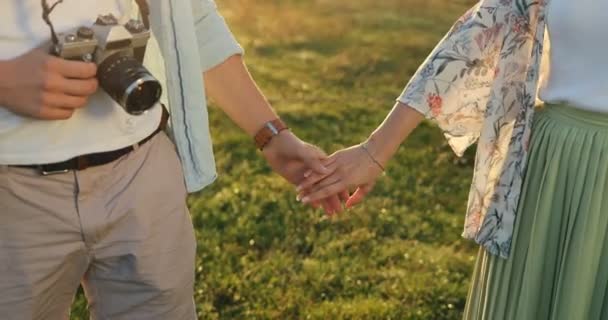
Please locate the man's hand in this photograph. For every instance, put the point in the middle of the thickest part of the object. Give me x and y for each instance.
(43, 86)
(291, 158)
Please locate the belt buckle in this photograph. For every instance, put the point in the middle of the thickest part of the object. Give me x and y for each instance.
(47, 173)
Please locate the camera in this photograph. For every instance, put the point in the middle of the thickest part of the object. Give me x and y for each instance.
(118, 50)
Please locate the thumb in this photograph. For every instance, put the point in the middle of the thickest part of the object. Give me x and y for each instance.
(327, 163)
(358, 196)
(314, 161)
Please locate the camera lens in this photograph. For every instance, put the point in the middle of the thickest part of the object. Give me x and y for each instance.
(129, 83)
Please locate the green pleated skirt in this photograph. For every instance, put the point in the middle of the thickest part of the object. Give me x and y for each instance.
(558, 267)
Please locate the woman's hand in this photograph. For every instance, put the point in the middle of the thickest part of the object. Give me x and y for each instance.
(351, 168)
(360, 166)
(292, 158)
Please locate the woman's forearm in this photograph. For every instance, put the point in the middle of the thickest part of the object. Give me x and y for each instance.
(384, 142)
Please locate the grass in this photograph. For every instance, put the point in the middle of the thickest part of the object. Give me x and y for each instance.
(332, 69)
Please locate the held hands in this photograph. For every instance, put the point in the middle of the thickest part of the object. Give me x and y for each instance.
(351, 168)
(43, 86)
(292, 158)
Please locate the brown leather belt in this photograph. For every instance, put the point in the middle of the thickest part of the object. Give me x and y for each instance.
(95, 159)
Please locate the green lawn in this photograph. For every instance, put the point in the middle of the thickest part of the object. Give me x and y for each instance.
(333, 68)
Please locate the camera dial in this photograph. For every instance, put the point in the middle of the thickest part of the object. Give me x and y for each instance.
(85, 33)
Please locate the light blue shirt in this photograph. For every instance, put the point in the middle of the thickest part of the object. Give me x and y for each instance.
(192, 38)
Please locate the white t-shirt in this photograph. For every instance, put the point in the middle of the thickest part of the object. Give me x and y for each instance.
(578, 69)
(102, 125)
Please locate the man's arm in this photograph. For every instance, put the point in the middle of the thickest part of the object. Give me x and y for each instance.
(229, 83)
(231, 86)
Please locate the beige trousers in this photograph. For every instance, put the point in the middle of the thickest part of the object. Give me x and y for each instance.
(122, 230)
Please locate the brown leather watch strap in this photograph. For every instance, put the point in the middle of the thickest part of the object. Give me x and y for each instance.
(270, 129)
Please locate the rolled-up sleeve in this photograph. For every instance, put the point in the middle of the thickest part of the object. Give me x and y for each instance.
(216, 43)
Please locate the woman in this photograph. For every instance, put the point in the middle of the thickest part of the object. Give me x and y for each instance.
(544, 253)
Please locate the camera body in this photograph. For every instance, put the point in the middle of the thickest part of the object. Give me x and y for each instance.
(118, 50)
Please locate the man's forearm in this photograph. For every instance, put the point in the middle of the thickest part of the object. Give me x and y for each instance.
(231, 86)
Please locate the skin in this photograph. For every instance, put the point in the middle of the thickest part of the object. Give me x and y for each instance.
(354, 167)
(41, 86)
(230, 85)
(45, 87)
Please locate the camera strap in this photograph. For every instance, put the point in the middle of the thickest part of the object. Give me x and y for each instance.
(144, 10)
(46, 12)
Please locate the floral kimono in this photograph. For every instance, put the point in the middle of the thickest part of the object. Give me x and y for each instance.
(480, 84)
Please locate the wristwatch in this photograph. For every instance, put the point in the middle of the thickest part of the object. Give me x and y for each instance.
(269, 131)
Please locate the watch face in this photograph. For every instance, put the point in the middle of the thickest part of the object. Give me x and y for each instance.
(272, 128)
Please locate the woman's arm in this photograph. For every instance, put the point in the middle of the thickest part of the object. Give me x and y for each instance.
(440, 91)
(384, 142)
(359, 166)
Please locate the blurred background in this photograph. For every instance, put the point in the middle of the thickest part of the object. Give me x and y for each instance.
(332, 69)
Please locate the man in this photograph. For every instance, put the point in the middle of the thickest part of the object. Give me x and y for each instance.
(91, 193)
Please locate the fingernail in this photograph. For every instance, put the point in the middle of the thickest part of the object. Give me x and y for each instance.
(306, 200)
(299, 188)
(307, 174)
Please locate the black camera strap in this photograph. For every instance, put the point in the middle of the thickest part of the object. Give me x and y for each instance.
(46, 12)
(144, 10)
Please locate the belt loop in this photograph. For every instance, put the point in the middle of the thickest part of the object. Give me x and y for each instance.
(82, 163)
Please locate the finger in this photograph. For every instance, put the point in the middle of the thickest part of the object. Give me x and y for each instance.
(330, 190)
(79, 87)
(71, 86)
(317, 166)
(333, 179)
(59, 100)
(316, 178)
(308, 173)
(327, 162)
(358, 196)
(73, 69)
(51, 113)
(332, 205)
(314, 160)
(336, 205)
(344, 195)
(309, 186)
(327, 208)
